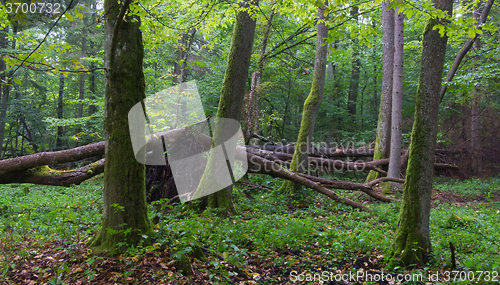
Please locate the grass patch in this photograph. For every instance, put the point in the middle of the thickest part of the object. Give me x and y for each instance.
(470, 187)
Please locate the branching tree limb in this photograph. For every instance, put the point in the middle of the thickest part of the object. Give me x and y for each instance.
(467, 46)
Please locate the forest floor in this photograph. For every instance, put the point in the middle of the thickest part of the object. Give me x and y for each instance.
(272, 240)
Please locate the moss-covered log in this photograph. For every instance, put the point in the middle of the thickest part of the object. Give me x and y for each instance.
(45, 175)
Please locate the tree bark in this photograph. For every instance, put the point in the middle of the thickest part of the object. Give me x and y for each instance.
(311, 105)
(354, 83)
(475, 128)
(383, 138)
(252, 108)
(397, 99)
(231, 101)
(4, 90)
(81, 78)
(125, 209)
(412, 244)
(60, 112)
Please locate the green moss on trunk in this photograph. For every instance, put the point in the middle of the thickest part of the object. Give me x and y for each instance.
(231, 101)
(125, 220)
(412, 245)
(311, 105)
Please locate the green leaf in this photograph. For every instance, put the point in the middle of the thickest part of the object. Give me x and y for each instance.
(471, 33)
(69, 17)
(17, 81)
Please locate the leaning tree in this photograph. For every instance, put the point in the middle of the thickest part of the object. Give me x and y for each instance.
(311, 105)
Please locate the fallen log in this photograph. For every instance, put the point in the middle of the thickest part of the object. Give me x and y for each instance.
(254, 185)
(319, 152)
(261, 165)
(384, 179)
(325, 164)
(330, 183)
(33, 169)
(51, 158)
(44, 175)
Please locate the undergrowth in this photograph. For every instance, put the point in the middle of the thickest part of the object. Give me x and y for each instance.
(264, 243)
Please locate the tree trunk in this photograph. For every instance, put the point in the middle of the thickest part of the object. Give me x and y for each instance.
(311, 105)
(4, 90)
(60, 112)
(354, 83)
(475, 132)
(125, 210)
(397, 99)
(383, 138)
(412, 244)
(375, 86)
(81, 78)
(475, 128)
(182, 56)
(231, 101)
(92, 107)
(252, 108)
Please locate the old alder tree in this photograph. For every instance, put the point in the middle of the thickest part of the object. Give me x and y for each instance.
(412, 244)
(125, 209)
(231, 99)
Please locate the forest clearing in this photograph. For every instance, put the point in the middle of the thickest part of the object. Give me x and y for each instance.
(249, 142)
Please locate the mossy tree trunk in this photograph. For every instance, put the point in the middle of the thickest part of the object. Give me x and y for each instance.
(311, 105)
(384, 116)
(412, 244)
(125, 217)
(231, 100)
